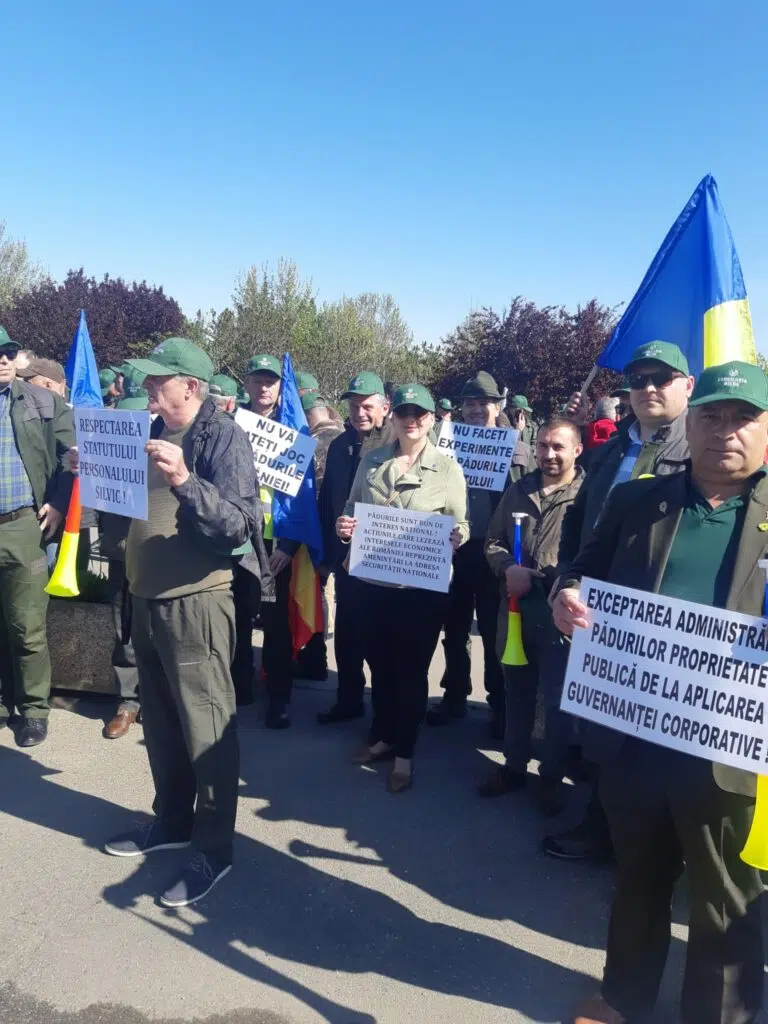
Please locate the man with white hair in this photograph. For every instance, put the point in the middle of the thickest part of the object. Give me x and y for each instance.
(366, 429)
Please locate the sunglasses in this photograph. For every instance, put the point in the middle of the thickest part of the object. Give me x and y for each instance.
(9, 353)
(659, 379)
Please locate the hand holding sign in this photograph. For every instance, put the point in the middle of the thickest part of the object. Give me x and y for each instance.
(169, 459)
(569, 612)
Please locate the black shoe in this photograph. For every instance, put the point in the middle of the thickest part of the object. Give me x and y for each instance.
(502, 780)
(196, 880)
(341, 713)
(498, 725)
(550, 796)
(315, 673)
(446, 711)
(146, 838)
(277, 716)
(31, 732)
(584, 842)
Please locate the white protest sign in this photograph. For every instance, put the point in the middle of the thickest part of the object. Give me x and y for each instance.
(113, 463)
(484, 453)
(683, 675)
(393, 545)
(281, 454)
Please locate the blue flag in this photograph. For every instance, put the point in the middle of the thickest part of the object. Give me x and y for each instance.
(693, 293)
(81, 371)
(297, 518)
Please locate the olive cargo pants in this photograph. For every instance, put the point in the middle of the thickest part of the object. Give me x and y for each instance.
(184, 649)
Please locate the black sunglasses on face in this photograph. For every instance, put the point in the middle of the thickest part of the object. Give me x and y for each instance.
(659, 379)
(9, 353)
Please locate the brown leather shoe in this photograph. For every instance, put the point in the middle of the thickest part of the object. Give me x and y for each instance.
(597, 1011)
(120, 724)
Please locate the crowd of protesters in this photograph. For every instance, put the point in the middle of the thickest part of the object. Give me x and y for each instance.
(660, 486)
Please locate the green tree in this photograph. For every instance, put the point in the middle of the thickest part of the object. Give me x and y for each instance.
(17, 273)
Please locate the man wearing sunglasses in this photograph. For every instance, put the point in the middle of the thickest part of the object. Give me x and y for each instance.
(650, 441)
(36, 432)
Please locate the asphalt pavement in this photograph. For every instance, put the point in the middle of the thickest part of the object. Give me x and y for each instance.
(346, 904)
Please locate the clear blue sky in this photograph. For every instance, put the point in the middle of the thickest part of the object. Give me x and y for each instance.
(454, 154)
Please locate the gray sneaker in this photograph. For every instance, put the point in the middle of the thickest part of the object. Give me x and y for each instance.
(196, 880)
(146, 838)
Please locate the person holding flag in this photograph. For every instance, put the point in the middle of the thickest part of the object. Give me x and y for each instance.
(36, 435)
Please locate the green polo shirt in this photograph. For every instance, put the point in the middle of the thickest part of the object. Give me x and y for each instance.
(703, 553)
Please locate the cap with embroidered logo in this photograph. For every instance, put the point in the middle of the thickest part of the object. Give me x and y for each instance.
(413, 394)
(264, 363)
(175, 357)
(744, 382)
(364, 383)
(5, 341)
(134, 396)
(660, 352)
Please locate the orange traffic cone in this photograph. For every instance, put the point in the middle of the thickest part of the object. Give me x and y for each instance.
(63, 581)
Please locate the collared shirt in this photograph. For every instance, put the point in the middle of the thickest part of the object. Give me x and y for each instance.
(703, 554)
(627, 465)
(15, 488)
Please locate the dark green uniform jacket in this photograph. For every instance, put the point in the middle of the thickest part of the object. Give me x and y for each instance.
(44, 429)
(631, 547)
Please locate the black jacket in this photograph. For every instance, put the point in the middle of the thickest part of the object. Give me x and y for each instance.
(219, 503)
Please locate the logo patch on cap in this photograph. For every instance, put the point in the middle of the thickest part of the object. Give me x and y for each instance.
(357, 382)
(410, 393)
(733, 379)
(263, 361)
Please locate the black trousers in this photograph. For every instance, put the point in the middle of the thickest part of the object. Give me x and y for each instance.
(245, 593)
(123, 655)
(474, 589)
(277, 651)
(666, 812)
(348, 641)
(401, 628)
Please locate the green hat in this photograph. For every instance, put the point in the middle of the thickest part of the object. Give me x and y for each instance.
(621, 392)
(264, 363)
(307, 382)
(177, 357)
(413, 394)
(365, 383)
(445, 405)
(661, 352)
(519, 402)
(221, 384)
(134, 396)
(106, 380)
(312, 400)
(482, 385)
(735, 380)
(5, 340)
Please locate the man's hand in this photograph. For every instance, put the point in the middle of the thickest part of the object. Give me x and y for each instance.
(278, 561)
(519, 580)
(50, 520)
(169, 459)
(71, 461)
(345, 527)
(568, 611)
(455, 538)
(577, 408)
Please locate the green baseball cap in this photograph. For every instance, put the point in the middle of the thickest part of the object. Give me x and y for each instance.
(312, 400)
(175, 357)
(264, 363)
(106, 380)
(134, 396)
(735, 380)
(621, 392)
(365, 383)
(445, 405)
(482, 385)
(519, 402)
(307, 382)
(661, 352)
(413, 394)
(221, 384)
(6, 341)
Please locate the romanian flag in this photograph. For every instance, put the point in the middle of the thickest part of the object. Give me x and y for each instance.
(693, 293)
(297, 518)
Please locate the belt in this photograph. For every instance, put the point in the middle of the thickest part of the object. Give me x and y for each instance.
(8, 517)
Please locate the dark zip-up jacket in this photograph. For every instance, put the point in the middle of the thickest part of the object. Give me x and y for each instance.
(219, 502)
(44, 429)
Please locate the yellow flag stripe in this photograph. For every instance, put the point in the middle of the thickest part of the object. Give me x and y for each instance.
(728, 333)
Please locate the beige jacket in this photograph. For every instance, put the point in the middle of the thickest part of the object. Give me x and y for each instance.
(435, 483)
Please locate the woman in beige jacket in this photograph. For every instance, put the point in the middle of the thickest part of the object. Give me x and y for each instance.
(401, 624)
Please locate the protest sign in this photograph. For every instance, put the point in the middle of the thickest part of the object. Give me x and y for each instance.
(281, 454)
(679, 674)
(393, 545)
(113, 463)
(484, 453)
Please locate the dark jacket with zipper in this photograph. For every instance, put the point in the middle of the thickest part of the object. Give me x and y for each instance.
(219, 502)
(666, 453)
(631, 547)
(44, 429)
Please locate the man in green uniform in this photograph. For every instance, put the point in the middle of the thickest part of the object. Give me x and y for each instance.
(36, 433)
(696, 535)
